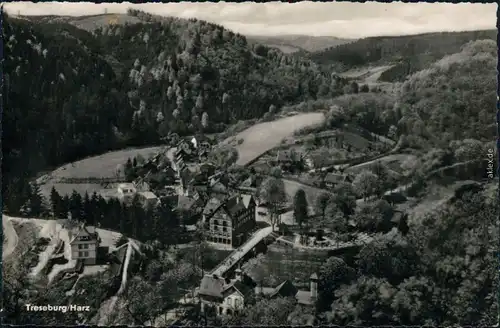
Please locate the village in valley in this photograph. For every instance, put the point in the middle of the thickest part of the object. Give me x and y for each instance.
(197, 176)
(193, 191)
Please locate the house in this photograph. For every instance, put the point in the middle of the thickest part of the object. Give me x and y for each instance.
(126, 191)
(184, 151)
(287, 289)
(84, 241)
(230, 221)
(284, 157)
(190, 207)
(225, 296)
(148, 198)
(251, 184)
(331, 180)
(288, 159)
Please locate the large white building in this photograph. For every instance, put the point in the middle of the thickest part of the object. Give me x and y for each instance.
(84, 241)
(126, 191)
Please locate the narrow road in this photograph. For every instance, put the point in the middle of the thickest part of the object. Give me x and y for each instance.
(239, 253)
(9, 236)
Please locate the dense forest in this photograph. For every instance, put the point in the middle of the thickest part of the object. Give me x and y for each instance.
(409, 53)
(79, 94)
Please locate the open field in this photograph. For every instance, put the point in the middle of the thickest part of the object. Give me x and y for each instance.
(102, 166)
(264, 136)
(291, 188)
(368, 74)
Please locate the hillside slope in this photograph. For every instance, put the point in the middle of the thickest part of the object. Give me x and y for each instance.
(131, 85)
(455, 98)
(410, 53)
(294, 43)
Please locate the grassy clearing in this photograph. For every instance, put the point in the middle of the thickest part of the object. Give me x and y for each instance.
(102, 166)
(312, 193)
(264, 136)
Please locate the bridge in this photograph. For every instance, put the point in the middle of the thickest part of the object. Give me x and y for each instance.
(238, 254)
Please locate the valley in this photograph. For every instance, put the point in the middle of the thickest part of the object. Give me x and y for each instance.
(197, 176)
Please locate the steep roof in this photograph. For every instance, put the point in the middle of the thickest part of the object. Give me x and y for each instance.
(243, 288)
(234, 205)
(285, 289)
(304, 297)
(212, 286)
(83, 230)
(247, 199)
(212, 205)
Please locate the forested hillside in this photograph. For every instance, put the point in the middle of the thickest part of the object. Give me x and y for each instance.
(454, 99)
(410, 53)
(78, 94)
(62, 101)
(184, 69)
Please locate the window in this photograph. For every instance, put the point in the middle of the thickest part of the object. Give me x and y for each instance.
(80, 254)
(224, 229)
(80, 246)
(86, 254)
(237, 302)
(86, 246)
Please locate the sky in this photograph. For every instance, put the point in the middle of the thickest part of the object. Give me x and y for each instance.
(340, 19)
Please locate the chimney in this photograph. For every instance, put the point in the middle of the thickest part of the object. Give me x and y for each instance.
(238, 274)
(314, 286)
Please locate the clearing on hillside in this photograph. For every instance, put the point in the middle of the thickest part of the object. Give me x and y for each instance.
(102, 166)
(264, 136)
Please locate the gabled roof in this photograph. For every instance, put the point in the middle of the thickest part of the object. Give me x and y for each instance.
(234, 205)
(83, 230)
(304, 297)
(212, 205)
(185, 202)
(285, 289)
(218, 187)
(242, 288)
(247, 199)
(212, 286)
(334, 178)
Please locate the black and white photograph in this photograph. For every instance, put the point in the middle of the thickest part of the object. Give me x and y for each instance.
(249, 164)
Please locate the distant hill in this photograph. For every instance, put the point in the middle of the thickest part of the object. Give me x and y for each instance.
(409, 53)
(295, 43)
(87, 23)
